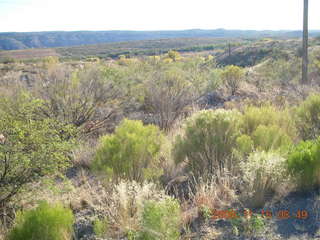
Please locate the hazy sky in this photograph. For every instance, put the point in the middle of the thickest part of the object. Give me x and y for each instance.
(50, 15)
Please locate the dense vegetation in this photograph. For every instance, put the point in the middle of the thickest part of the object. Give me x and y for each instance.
(160, 147)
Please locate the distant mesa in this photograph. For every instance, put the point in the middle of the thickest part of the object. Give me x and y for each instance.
(15, 40)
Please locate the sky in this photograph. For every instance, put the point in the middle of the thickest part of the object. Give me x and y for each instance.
(73, 15)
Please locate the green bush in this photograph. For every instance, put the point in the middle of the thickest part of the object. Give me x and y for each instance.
(232, 75)
(248, 226)
(263, 172)
(45, 222)
(304, 164)
(266, 128)
(131, 152)
(268, 115)
(161, 220)
(244, 145)
(267, 138)
(308, 117)
(33, 146)
(100, 227)
(208, 141)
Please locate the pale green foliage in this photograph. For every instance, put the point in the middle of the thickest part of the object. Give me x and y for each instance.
(174, 55)
(248, 226)
(161, 220)
(315, 61)
(44, 222)
(308, 117)
(268, 116)
(50, 61)
(262, 172)
(270, 138)
(244, 145)
(34, 146)
(266, 128)
(126, 205)
(100, 227)
(304, 164)
(208, 140)
(280, 71)
(232, 76)
(131, 152)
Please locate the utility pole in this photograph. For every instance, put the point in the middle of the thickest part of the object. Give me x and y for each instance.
(304, 79)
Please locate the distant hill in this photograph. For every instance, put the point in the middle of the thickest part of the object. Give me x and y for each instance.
(11, 41)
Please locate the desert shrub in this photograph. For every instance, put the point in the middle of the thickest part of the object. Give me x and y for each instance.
(215, 193)
(167, 95)
(160, 220)
(248, 226)
(32, 146)
(244, 146)
(281, 70)
(207, 143)
(266, 128)
(126, 206)
(308, 117)
(170, 89)
(88, 97)
(100, 227)
(44, 222)
(267, 138)
(132, 152)
(174, 55)
(268, 116)
(263, 172)
(232, 75)
(304, 164)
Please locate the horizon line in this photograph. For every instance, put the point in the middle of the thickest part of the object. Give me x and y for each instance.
(163, 30)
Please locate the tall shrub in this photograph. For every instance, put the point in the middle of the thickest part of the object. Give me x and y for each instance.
(131, 152)
(263, 172)
(32, 145)
(208, 140)
(308, 117)
(266, 128)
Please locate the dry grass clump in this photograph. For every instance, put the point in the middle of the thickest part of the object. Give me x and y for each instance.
(83, 155)
(263, 173)
(215, 193)
(126, 205)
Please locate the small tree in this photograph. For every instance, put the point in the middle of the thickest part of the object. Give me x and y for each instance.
(233, 75)
(31, 147)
